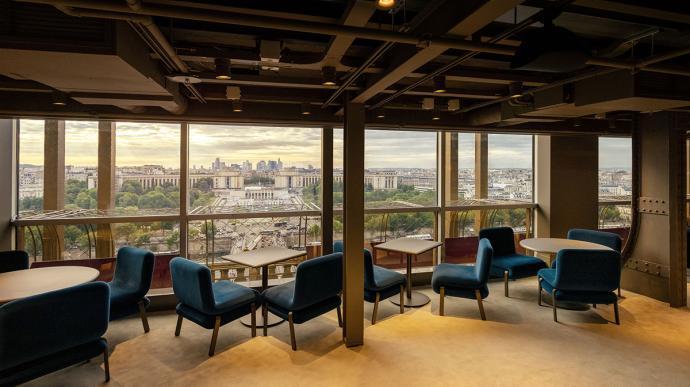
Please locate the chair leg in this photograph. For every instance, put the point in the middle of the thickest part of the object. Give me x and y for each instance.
(478, 294)
(214, 338)
(402, 299)
(292, 332)
(264, 314)
(179, 325)
(619, 292)
(594, 306)
(505, 282)
(615, 312)
(553, 300)
(253, 320)
(142, 314)
(539, 294)
(106, 365)
(441, 300)
(376, 308)
(340, 317)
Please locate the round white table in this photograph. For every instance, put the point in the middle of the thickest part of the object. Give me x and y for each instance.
(551, 247)
(25, 283)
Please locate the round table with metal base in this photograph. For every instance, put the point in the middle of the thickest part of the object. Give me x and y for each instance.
(272, 320)
(412, 299)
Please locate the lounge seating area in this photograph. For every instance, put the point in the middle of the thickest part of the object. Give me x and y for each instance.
(344, 193)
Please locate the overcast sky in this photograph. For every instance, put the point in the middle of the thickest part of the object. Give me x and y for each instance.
(151, 143)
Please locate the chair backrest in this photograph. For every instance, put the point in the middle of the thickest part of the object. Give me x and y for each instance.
(502, 240)
(604, 238)
(588, 270)
(13, 260)
(192, 284)
(134, 269)
(482, 266)
(48, 323)
(369, 281)
(318, 279)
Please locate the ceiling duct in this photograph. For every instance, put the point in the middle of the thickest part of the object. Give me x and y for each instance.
(551, 49)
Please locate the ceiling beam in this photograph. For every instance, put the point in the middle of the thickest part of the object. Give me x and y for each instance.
(358, 14)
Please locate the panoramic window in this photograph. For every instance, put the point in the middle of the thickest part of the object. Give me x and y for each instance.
(510, 167)
(615, 183)
(30, 176)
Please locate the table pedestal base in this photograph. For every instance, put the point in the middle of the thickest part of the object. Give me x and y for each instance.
(415, 300)
(569, 305)
(273, 320)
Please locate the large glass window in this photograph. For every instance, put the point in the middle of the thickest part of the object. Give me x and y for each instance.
(30, 178)
(510, 167)
(615, 183)
(81, 164)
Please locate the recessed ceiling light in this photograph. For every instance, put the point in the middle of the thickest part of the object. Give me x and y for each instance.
(59, 98)
(305, 108)
(440, 84)
(380, 113)
(223, 69)
(329, 76)
(236, 105)
(385, 4)
(515, 89)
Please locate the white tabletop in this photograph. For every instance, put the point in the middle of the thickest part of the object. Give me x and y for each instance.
(554, 245)
(410, 246)
(263, 256)
(24, 283)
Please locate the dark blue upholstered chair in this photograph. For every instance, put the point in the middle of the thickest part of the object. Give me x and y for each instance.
(51, 331)
(209, 304)
(506, 262)
(379, 283)
(604, 238)
(586, 276)
(463, 280)
(13, 260)
(316, 290)
(131, 282)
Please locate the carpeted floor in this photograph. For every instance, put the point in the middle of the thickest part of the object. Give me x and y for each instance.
(518, 345)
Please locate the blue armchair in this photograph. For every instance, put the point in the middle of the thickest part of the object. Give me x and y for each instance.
(132, 280)
(316, 290)
(586, 276)
(51, 331)
(463, 280)
(379, 283)
(206, 303)
(604, 238)
(506, 262)
(13, 260)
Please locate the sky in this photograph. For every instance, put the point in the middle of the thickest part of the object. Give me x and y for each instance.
(154, 143)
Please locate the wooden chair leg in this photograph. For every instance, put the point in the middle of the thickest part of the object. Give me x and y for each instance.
(376, 308)
(619, 292)
(214, 338)
(441, 300)
(106, 365)
(142, 314)
(293, 341)
(478, 294)
(553, 300)
(264, 315)
(505, 282)
(179, 325)
(402, 299)
(340, 316)
(615, 312)
(539, 294)
(253, 320)
(594, 306)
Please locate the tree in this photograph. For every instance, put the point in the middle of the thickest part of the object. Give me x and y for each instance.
(173, 239)
(31, 203)
(155, 199)
(132, 186)
(72, 189)
(314, 231)
(126, 199)
(85, 200)
(204, 184)
(72, 234)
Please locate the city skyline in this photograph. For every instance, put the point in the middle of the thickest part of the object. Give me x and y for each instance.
(155, 143)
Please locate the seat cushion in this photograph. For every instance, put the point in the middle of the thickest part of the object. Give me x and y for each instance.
(370, 295)
(305, 314)
(281, 295)
(385, 278)
(454, 276)
(467, 293)
(518, 266)
(548, 277)
(229, 295)
(208, 320)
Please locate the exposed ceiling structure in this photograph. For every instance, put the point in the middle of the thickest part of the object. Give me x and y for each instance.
(498, 65)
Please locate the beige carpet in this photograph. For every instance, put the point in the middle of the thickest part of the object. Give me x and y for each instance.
(518, 345)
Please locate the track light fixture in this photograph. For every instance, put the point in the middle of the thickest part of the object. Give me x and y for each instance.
(515, 89)
(440, 84)
(305, 108)
(222, 69)
(329, 76)
(59, 98)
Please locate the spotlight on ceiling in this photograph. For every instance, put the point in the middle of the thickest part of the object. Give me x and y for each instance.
(440, 84)
(59, 98)
(328, 75)
(386, 4)
(305, 108)
(515, 89)
(236, 105)
(436, 113)
(222, 69)
(380, 113)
